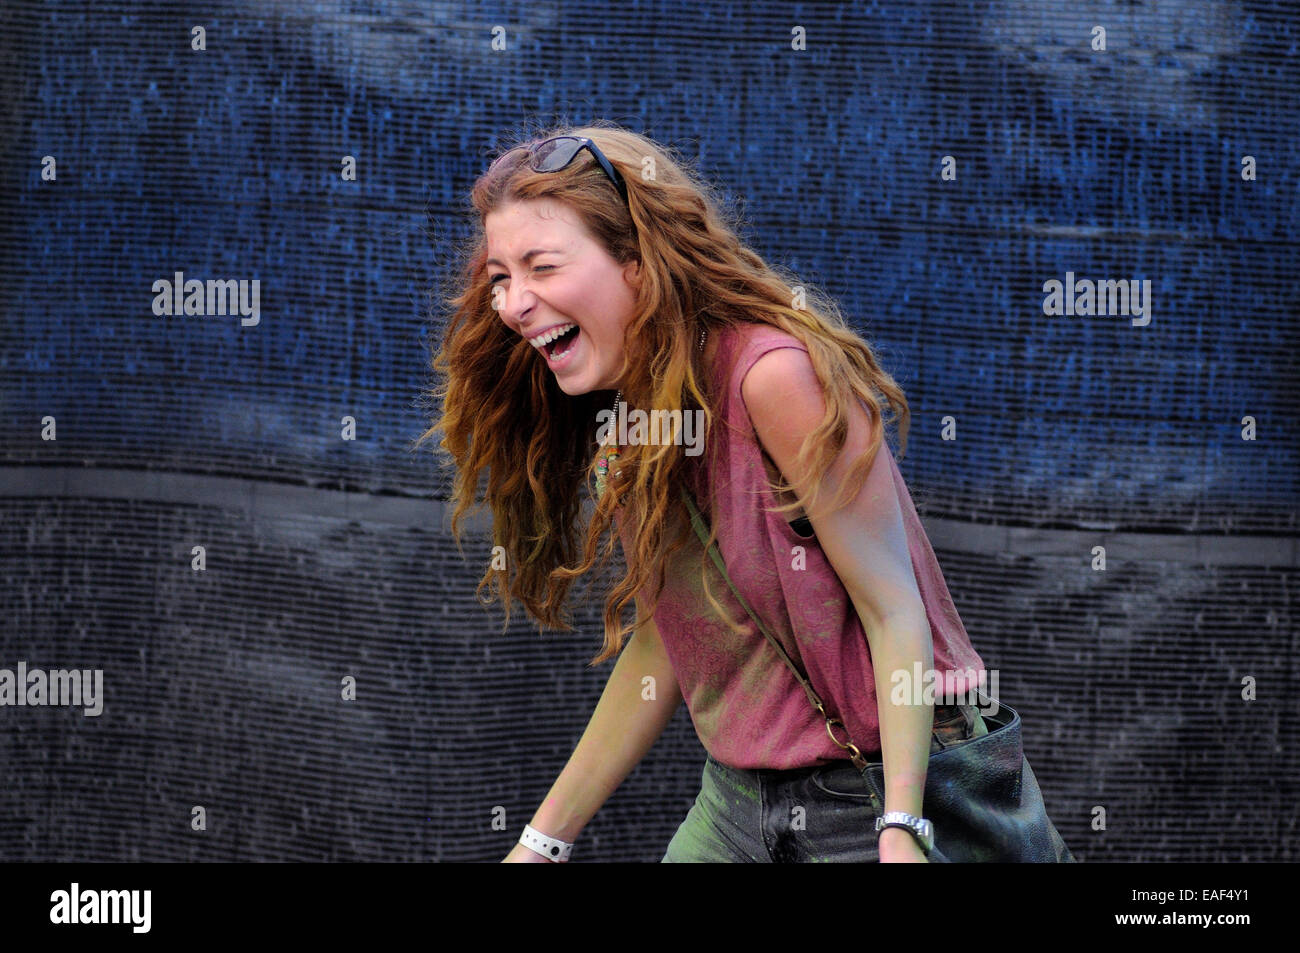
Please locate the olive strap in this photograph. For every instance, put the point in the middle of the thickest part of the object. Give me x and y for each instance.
(701, 530)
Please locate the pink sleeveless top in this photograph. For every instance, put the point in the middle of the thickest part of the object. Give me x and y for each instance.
(747, 707)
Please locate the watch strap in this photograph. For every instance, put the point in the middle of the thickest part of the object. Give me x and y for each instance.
(920, 828)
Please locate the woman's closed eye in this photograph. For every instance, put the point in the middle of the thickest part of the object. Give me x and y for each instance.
(495, 278)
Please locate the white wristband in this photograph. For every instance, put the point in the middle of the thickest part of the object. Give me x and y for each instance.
(549, 847)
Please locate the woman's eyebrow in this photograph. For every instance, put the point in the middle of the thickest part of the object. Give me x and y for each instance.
(527, 256)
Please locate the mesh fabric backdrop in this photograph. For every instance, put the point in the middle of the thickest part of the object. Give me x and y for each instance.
(1036, 437)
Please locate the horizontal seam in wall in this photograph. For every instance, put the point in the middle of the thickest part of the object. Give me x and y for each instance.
(260, 498)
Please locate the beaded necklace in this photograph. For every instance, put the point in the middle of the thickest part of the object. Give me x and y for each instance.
(609, 451)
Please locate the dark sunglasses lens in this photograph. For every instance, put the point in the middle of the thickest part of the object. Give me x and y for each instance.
(555, 154)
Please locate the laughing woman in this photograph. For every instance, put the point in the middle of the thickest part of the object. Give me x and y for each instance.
(605, 277)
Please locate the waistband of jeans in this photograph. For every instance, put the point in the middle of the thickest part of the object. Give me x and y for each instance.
(774, 774)
(948, 711)
(941, 713)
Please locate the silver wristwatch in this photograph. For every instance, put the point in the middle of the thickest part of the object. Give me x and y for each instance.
(919, 827)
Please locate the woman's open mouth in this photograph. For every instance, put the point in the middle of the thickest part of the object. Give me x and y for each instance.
(561, 349)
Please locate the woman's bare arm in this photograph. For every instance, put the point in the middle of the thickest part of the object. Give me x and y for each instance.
(866, 543)
(630, 716)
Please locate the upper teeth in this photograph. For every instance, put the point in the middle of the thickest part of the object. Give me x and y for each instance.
(546, 337)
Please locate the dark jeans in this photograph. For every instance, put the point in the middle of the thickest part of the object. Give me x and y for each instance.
(806, 815)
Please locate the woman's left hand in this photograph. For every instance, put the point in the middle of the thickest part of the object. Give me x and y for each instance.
(897, 846)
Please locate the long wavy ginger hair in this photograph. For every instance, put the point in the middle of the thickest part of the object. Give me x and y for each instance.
(501, 410)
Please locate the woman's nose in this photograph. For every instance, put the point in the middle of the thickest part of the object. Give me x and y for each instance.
(512, 304)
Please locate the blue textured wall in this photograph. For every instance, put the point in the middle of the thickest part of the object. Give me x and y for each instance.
(327, 557)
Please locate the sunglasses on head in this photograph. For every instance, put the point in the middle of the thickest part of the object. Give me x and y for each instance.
(552, 155)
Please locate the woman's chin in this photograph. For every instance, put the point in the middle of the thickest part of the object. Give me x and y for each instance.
(573, 384)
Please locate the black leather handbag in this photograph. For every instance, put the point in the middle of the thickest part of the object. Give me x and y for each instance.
(980, 794)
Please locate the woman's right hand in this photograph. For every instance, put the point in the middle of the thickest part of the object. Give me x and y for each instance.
(520, 854)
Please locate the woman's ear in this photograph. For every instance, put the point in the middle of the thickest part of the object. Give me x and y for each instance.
(632, 274)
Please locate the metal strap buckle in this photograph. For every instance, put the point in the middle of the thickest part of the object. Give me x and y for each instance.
(847, 744)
